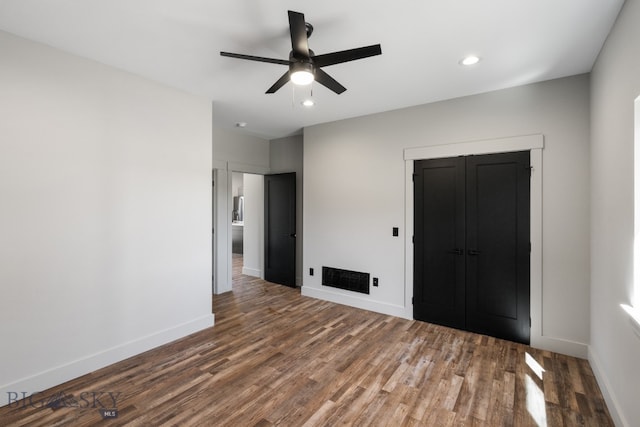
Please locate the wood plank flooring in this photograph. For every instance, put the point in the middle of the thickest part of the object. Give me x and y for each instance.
(277, 358)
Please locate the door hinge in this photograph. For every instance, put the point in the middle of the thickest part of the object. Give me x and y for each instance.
(413, 177)
(412, 300)
(529, 247)
(413, 239)
(529, 321)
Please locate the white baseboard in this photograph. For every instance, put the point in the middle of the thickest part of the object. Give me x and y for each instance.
(253, 272)
(60, 374)
(607, 392)
(559, 345)
(358, 302)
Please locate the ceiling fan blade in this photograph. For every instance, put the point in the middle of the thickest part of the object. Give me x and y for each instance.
(281, 82)
(328, 81)
(298, 30)
(347, 55)
(255, 58)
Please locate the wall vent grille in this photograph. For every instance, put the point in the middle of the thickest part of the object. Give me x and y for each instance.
(345, 279)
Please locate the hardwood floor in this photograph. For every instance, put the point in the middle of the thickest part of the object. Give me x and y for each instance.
(277, 358)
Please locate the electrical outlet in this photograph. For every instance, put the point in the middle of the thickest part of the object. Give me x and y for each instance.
(375, 281)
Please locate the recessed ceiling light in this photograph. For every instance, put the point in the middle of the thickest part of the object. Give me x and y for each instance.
(470, 60)
(308, 103)
(241, 124)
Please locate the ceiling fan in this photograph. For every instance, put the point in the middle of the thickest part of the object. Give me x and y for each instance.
(304, 64)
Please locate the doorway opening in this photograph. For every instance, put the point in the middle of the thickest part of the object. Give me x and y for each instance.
(247, 225)
(240, 208)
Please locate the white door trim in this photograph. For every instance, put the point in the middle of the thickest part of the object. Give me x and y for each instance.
(533, 143)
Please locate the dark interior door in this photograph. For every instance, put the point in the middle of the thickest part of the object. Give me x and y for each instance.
(439, 242)
(471, 249)
(498, 249)
(280, 228)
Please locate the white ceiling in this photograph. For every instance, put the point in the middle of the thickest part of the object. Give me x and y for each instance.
(177, 42)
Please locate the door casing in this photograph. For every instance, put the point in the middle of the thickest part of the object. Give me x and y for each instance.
(533, 143)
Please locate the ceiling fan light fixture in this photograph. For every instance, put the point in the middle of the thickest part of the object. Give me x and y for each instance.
(301, 78)
(302, 73)
(308, 103)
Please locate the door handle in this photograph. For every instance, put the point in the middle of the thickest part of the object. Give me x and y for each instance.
(473, 252)
(292, 235)
(456, 251)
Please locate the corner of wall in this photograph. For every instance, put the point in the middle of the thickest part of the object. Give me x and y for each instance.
(613, 404)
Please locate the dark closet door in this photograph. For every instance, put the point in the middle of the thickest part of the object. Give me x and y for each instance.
(280, 228)
(471, 243)
(439, 239)
(498, 248)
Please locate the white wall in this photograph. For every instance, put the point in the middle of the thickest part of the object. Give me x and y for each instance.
(105, 218)
(354, 193)
(286, 155)
(615, 350)
(253, 259)
(233, 151)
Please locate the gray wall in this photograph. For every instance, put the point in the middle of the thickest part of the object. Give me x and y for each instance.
(105, 218)
(355, 181)
(615, 84)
